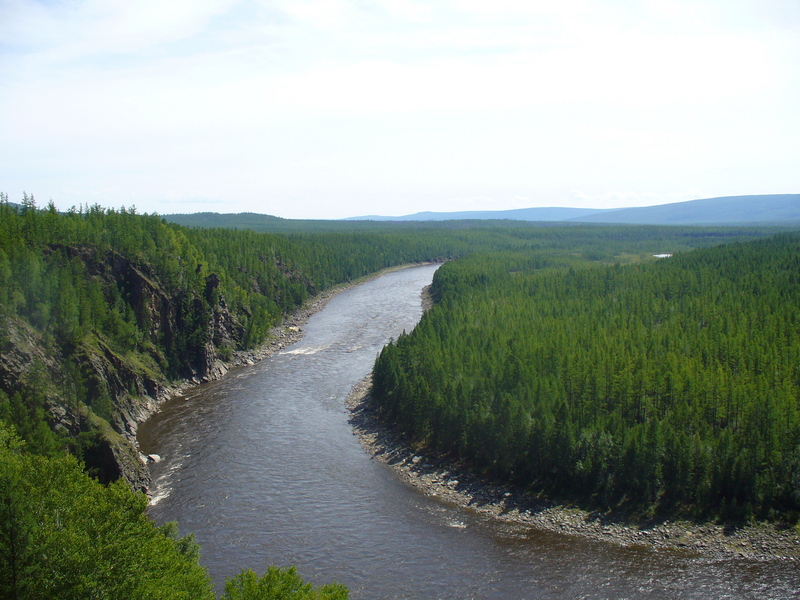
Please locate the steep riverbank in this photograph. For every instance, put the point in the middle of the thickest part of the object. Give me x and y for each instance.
(452, 483)
(287, 333)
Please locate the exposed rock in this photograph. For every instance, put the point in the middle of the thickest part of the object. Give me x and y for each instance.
(22, 351)
(456, 484)
(135, 390)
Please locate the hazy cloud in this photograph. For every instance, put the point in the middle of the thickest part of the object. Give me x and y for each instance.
(320, 107)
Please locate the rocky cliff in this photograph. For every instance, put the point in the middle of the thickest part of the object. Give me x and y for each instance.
(94, 385)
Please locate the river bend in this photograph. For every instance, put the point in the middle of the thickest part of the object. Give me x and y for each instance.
(263, 467)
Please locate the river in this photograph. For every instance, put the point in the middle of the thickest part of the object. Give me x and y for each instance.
(263, 467)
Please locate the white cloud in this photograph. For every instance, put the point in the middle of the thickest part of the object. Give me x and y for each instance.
(81, 28)
(417, 101)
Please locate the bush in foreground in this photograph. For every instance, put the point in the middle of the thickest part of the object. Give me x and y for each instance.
(279, 584)
(64, 536)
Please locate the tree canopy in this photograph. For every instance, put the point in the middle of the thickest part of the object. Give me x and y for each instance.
(669, 386)
(548, 360)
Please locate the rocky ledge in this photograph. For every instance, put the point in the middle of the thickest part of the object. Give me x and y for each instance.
(452, 483)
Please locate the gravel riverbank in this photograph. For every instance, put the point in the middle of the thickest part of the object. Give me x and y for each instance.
(287, 333)
(291, 329)
(438, 477)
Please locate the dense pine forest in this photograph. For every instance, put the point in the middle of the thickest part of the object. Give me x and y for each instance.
(669, 387)
(650, 383)
(102, 307)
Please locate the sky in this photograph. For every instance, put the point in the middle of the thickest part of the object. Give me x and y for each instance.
(336, 108)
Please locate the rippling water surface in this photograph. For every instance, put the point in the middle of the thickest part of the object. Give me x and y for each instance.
(263, 467)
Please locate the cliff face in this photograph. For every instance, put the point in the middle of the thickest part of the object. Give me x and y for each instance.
(127, 384)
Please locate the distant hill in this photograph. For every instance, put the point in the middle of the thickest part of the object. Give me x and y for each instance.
(232, 221)
(519, 214)
(777, 209)
(269, 224)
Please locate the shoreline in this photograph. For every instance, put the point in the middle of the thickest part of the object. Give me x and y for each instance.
(288, 332)
(290, 329)
(449, 482)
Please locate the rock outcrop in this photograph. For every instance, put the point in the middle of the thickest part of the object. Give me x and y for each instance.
(133, 383)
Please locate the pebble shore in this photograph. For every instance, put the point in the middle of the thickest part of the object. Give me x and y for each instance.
(438, 477)
(291, 328)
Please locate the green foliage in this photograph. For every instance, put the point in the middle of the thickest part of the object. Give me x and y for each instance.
(514, 370)
(669, 385)
(63, 536)
(116, 298)
(119, 298)
(29, 418)
(279, 584)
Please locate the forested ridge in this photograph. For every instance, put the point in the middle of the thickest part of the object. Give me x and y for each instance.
(102, 310)
(670, 387)
(102, 307)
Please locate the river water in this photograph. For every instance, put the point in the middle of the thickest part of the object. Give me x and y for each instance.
(262, 466)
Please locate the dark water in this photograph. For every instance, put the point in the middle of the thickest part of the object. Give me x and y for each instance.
(263, 467)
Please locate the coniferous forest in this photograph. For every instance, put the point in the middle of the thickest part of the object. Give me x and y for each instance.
(563, 358)
(670, 386)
